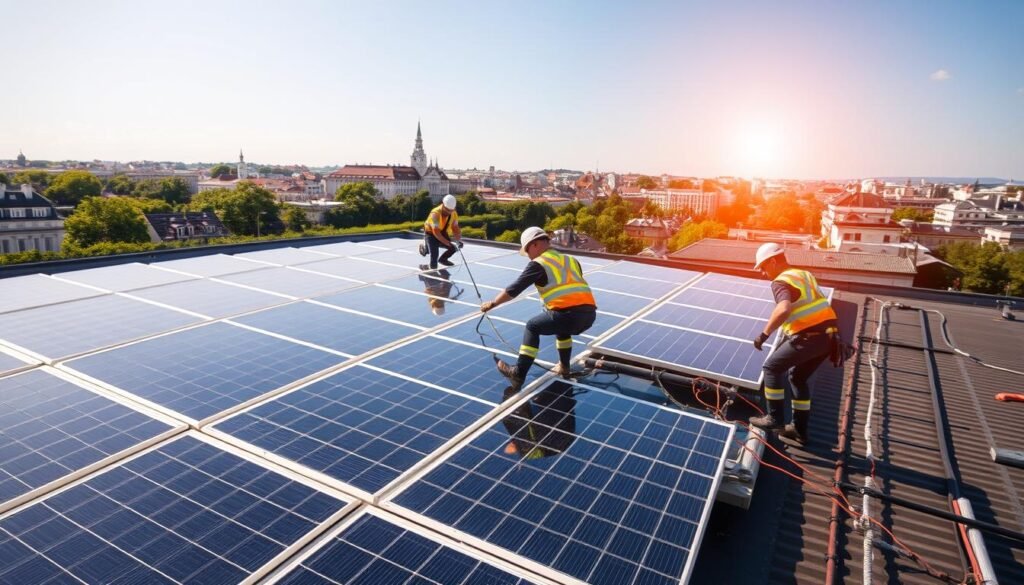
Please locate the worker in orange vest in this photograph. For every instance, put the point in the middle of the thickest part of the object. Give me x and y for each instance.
(810, 331)
(569, 306)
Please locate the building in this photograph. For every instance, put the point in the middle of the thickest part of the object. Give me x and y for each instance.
(28, 221)
(227, 181)
(1009, 237)
(688, 201)
(981, 212)
(392, 180)
(316, 209)
(858, 217)
(169, 227)
(191, 179)
(652, 231)
(931, 235)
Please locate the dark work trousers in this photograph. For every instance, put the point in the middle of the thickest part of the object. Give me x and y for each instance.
(434, 245)
(798, 357)
(563, 325)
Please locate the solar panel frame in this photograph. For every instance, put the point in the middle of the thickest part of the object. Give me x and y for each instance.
(210, 298)
(123, 277)
(39, 290)
(348, 504)
(487, 409)
(289, 256)
(12, 361)
(208, 265)
(290, 281)
(368, 271)
(370, 300)
(174, 427)
(651, 272)
(388, 501)
(285, 574)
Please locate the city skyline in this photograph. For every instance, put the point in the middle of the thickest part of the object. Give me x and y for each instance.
(796, 91)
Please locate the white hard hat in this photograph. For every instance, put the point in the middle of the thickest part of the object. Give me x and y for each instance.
(449, 201)
(530, 234)
(766, 251)
(438, 310)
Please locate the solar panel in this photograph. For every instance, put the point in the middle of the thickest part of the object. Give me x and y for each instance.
(343, 331)
(123, 277)
(362, 427)
(283, 256)
(519, 262)
(741, 327)
(36, 290)
(186, 511)
(211, 299)
(337, 249)
(392, 243)
(699, 353)
(374, 547)
(616, 303)
(210, 265)
(9, 363)
(361, 270)
(475, 253)
(511, 335)
(75, 327)
(409, 259)
(486, 276)
(737, 285)
(651, 271)
(288, 281)
(528, 307)
(436, 283)
(450, 365)
(53, 430)
(403, 306)
(719, 301)
(651, 289)
(201, 372)
(580, 484)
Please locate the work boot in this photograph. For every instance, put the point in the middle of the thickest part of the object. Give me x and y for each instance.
(446, 263)
(510, 372)
(767, 422)
(791, 434)
(563, 371)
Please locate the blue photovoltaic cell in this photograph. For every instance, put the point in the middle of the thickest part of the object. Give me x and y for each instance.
(390, 244)
(603, 323)
(719, 301)
(296, 283)
(486, 276)
(417, 309)
(707, 353)
(409, 259)
(361, 270)
(359, 426)
(511, 333)
(202, 371)
(519, 262)
(36, 290)
(283, 256)
(187, 512)
(8, 363)
(600, 487)
(335, 329)
(213, 299)
(374, 551)
(438, 284)
(337, 249)
(619, 304)
(78, 326)
(673, 275)
(122, 277)
(643, 287)
(449, 365)
(737, 285)
(474, 253)
(742, 327)
(210, 265)
(50, 428)
(522, 310)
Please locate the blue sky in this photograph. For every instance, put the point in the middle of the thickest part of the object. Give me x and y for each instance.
(779, 89)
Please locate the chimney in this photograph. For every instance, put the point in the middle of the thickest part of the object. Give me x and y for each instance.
(27, 190)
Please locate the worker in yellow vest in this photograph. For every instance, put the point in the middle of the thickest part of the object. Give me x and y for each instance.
(809, 329)
(441, 230)
(569, 307)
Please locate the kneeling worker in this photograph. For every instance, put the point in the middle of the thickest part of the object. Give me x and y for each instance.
(568, 302)
(440, 230)
(810, 329)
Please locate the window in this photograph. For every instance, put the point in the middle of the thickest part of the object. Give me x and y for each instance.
(180, 230)
(846, 237)
(885, 239)
(40, 212)
(17, 212)
(856, 237)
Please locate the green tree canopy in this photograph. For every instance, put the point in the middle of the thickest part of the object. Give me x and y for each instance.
(645, 182)
(918, 215)
(121, 185)
(173, 190)
(652, 209)
(221, 169)
(511, 236)
(248, 209)
(694, 232)
(471, 204)
(70, 187)
(782, 212)
(985, 267)
(105, 219)
(295, 219)
(362, 203)
(4, 179)
(680, 184)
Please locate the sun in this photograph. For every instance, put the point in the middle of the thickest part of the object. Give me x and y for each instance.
(758, 149)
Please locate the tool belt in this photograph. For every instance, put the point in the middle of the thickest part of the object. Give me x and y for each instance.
(838, 350)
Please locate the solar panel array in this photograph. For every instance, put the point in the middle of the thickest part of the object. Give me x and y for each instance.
(321, 384)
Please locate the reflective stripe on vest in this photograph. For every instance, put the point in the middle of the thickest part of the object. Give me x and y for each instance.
(566, 287)
(811, 308)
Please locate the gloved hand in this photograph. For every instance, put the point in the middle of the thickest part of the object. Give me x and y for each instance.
(459, 243)
(487, 306)
(759, 341)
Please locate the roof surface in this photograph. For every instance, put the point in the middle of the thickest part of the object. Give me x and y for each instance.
(379, 172)
(741, 252)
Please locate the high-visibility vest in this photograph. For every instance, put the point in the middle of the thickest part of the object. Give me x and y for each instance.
(811, 308)
(438, 223)
(566, 287)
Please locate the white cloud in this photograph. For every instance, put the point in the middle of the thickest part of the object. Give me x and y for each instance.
(940, 75)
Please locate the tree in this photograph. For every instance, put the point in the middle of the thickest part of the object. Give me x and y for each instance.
(471, 204)
(781, 213)
(508, 236)
(652, 209)
(361, 202)
(120, 185)
(984, 267)
(247, 209)
(219, 170)
(70, 187)
(680, 184)
(645, 182)
(39, 180)
(561, 222)
(105, 219)
(4, 179)
(295, 219)
(173, 190)
(911, 213)
(696, 231)
(623, 244)
(150, 205)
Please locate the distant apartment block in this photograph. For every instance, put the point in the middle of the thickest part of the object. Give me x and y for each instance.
(1009, 237)
(695, 201)
(28, 221)
(981, 212)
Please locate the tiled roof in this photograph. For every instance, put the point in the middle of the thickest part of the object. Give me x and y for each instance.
(164, 223)
(739, 252)
(860, 199)
(377, 172)
(930, 229)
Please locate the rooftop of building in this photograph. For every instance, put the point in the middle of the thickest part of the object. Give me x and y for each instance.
(740, 253)
(376, 172)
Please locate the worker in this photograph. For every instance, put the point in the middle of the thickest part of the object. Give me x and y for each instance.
(441, 230)
(569, 307)
(809, 329)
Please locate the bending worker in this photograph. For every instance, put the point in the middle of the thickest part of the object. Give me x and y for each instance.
(440, 229)
(569, 307)
(809, 327)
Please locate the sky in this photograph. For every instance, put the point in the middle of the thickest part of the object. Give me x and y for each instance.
(788, 89)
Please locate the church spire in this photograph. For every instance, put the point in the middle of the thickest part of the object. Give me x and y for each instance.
(418, 160)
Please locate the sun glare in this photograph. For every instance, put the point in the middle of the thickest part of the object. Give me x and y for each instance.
(758, 150)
